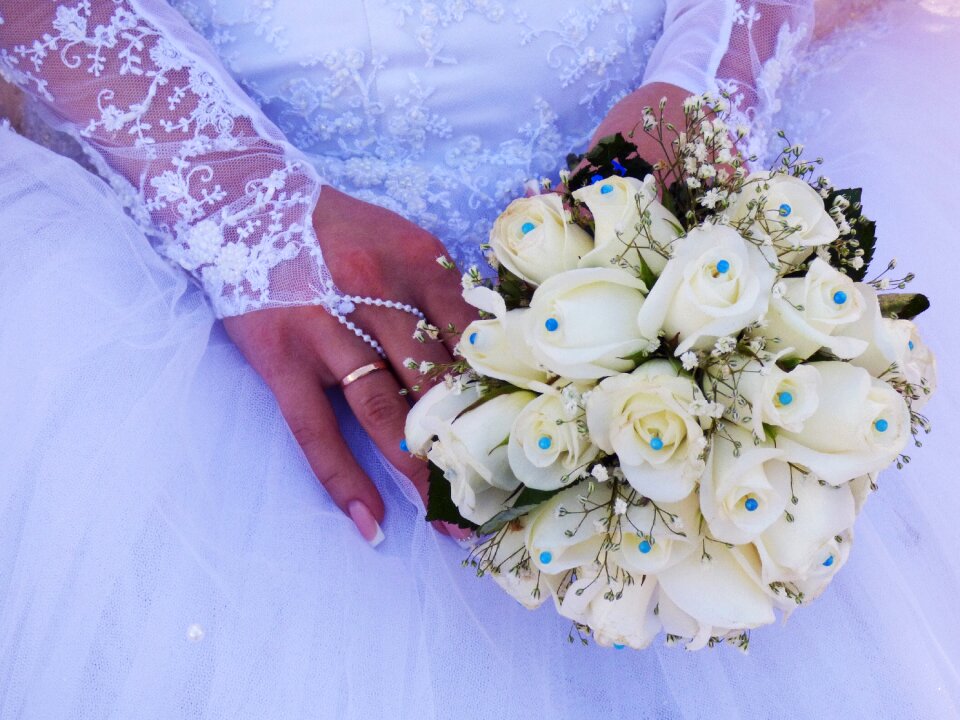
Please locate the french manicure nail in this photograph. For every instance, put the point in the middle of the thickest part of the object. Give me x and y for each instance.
(366, 523)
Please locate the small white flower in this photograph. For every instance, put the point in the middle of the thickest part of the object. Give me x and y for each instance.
(724, 345)
(857, 263)
(710, 198)
(425, 367)
(571, 399)
(599, 473)
(693, 183)
(431, 331)
(704, 408)
(619, 506)
(446, 263)
(470, 279)
(689, 360)
(884, 284)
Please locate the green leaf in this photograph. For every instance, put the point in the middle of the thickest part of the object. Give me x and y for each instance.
(904, 306)
(864, 230)
(601, 159)
(440, 505)
(646, 274)
(528, 499)
(515, 291)
(495, 390)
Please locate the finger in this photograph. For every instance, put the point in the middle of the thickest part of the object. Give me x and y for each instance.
(307, 411)
(374, 398)
(440, 296)
(382, 411)
(395, 332)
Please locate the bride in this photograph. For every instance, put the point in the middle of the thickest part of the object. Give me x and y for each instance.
(162, 551)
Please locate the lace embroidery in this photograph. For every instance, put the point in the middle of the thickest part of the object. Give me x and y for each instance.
(759, 115)
(401, 150)
(229, 225)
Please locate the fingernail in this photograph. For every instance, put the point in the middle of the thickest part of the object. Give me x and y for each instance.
(462, 535)
(366, 523)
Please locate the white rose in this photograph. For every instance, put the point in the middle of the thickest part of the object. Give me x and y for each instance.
(886, 340)
(618, 608)
(654, 536)
(860, 426)
(742, 494)
(547, 449)
(678, 624)
(715, 285)
(816, 311)
(533, 239)
(513, 572)
(472, 454)
(919, 366)
(895, 350)
(722, 593)
(792, 215)
(567, 530)
(629, 223)
(498, 348)
(584, 322)
(644, 418)
(437, 408)
(804, 551)
(762, 393)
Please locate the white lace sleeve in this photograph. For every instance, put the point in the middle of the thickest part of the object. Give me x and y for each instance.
(220, 190)
(743, 46)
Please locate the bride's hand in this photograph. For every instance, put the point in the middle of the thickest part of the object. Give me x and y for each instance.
(303, 351)
(626, 116)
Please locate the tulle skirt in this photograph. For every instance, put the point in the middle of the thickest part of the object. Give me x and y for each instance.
(166, 553)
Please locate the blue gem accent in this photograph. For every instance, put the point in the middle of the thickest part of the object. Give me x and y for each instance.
(828, 562)
(881, 425)
(551, 324)
(544, 443)
(910, 344)
(785, 398)
(619, 168)
(784, 210)
(656, 443)
(751, 504)
(605, 189)
(644, 547)
(723, 266)
(473, 338)
(404, 446)
(596, 179)
(618, 646)
(527, 227)
(546, 556)
(839, 297)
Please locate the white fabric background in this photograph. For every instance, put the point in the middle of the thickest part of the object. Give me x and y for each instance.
(148, 483)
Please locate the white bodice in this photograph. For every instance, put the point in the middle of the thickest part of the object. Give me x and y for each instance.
(440, 111)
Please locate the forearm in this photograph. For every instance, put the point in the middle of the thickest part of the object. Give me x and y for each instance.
(223, 193)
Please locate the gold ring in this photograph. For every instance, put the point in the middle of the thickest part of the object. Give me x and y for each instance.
(361, 371)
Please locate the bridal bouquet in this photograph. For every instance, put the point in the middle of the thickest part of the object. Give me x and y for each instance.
(681, 391)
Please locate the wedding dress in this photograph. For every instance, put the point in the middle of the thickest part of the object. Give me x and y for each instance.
(164, 551)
